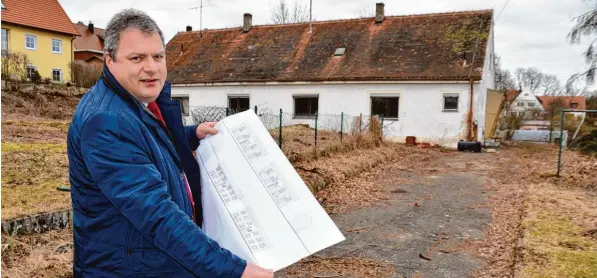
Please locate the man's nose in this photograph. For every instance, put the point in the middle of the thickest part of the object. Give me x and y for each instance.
(151, 65)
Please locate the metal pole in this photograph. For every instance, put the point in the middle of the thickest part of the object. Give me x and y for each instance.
(360, 123)
(561, 142)
(341, 125)
(227, 111)
(381, 131)
(316, 116)
(310, 15)
(280, 131)
(255, 109)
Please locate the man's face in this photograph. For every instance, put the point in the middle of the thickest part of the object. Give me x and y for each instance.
(140, 64)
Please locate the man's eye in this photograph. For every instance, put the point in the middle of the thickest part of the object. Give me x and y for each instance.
(136, 59)
(158, 57)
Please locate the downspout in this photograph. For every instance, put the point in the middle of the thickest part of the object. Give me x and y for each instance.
(470, 113)
(72, 60)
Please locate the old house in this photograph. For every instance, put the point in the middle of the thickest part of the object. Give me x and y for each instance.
(41, 30)
(527, 106)
(89, 46)
(427, 74)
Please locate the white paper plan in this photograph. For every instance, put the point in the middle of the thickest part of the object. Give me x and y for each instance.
(254, 202)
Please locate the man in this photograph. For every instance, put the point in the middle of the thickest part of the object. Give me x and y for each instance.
(132, 172)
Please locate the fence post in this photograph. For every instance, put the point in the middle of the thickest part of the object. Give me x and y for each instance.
(341, 125)
(255, 109)
(381, 131)
(227, 111)
(561, 142)
(280, 135)
(360, 123)
(316, 116)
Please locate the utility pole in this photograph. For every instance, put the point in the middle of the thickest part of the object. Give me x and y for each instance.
(310, 14)
(201, 13)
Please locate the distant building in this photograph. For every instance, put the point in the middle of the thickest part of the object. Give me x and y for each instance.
(41, 30)
(89, 46)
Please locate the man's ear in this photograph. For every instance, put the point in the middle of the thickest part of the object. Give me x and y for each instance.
(109, 60)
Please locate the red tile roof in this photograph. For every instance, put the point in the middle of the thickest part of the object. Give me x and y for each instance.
(42, 14)
(565, 101)
(416, 47)
(511, 95)
(87, 39)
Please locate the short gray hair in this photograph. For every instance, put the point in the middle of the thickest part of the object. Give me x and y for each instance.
(128, 18)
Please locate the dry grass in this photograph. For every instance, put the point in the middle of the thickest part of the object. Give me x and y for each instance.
(298, 143)
(42, 255)
(558, 230)
(339, 267)
(31, 172)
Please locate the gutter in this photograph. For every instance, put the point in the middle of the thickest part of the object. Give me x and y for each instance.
(470, 134)
(273, 83)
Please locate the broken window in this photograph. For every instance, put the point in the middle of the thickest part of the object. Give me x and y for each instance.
(184, 105)
(238, 104)
(450, 102)
(385, 106)
(305, 106)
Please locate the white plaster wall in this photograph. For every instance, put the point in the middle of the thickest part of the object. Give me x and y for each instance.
(480, 91)
(420, 106)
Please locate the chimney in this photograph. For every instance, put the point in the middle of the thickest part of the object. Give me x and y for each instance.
(379, 12)
(90, 27)
(189, 28)
(247, 22)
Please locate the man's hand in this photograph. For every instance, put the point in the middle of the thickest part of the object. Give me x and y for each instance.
(254, 271)
(206, 128)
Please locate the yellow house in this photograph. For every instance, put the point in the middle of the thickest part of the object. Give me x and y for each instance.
(42, 30)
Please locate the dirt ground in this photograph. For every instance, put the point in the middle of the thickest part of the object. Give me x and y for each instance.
(424, 213)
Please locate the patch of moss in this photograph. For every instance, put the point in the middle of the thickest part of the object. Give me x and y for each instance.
(563, 250)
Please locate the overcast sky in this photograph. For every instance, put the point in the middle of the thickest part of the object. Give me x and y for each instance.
(527, 33)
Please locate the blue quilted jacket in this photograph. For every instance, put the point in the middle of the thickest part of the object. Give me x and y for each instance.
(132, 216)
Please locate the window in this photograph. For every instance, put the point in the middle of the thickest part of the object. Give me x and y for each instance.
(305, 106)
(385, 106)
(528, 113)
(521, 104)
(573, 105)
(4, 41)
(184, 105)
(526, 95)
(30, 71)
(57, 75)
(238, 104)
(56, 46)
(450, 102)
(31, 42)
(531, 104)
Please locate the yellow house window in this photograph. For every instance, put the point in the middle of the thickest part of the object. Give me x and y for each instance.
(30, 42)
(56, 46)
(4, 40)
(57, 75)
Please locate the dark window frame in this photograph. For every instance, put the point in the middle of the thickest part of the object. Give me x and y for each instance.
(311, 114)
(386, 98)
(450, 95)
(180, 100)
(234, 110)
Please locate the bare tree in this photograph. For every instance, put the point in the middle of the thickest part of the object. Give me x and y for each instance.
(529, 79)
(365, 11)
(14, 69)
(283, 13)
(574, 87)
(550, 86)
(586, 26)
(503, 78)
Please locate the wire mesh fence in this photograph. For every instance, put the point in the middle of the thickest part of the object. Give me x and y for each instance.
(306, 136)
